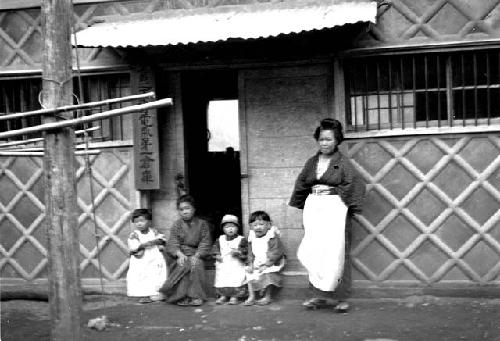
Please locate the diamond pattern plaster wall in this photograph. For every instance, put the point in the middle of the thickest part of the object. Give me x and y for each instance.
(400, 22)
(23, 244)
(432, 213)
(403, 22)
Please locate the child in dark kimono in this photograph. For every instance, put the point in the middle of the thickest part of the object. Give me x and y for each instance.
(266, 258)
(230, 253)
(188, 244)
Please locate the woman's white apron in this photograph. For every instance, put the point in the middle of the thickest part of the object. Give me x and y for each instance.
(322, 249)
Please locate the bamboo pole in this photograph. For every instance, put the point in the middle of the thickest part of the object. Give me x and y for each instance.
(41, 153)
(65, 294)
(85, 119)
(32, 149)
(37, 149)
(40, 139)
(66, 108)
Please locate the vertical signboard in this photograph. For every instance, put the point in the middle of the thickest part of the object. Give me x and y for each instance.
(146, 157)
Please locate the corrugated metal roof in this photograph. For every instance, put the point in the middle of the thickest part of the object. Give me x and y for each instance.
(225, 22)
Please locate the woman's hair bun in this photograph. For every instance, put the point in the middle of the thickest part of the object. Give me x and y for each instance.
(328, 120)
(330, 124)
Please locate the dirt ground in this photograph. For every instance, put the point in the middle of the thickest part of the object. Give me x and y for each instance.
(414, 318)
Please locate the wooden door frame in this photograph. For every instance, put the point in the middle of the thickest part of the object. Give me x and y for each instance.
(242, 117)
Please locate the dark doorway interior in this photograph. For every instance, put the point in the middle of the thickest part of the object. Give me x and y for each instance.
(209, 101)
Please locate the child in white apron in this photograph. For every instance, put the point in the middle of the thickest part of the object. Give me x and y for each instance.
(266, 256)
(230, 253)
(147, 269)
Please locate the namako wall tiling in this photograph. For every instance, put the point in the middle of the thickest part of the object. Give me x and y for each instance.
(432, 211)
(23, 245)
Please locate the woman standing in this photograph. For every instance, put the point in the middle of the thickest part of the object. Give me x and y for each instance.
(329, 190)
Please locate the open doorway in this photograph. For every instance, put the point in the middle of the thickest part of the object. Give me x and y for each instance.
(210, 106)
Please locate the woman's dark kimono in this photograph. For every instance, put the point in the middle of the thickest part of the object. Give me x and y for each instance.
(349, 185)
(191, 239)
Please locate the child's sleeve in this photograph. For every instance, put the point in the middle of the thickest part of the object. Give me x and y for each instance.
(160, 237)
(243, 250)
(275, 251)
(250, 256)
(133, 242)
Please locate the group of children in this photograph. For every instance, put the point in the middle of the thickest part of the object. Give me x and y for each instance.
(246, 269)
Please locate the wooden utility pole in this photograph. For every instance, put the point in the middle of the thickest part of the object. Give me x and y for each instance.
(65, 295)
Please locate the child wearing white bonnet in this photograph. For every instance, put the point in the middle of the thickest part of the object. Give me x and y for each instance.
(230, 253)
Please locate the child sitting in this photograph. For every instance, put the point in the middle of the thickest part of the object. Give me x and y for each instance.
(147, 270)
(266, 258)
(230, 253)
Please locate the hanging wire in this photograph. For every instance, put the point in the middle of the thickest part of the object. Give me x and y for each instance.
(88, 167)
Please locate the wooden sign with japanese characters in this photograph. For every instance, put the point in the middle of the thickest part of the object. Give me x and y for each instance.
(146, 157)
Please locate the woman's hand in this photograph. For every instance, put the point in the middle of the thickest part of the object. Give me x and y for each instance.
(181, 259)
(194, 260)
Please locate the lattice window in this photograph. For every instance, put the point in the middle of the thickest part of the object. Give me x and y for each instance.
(423, 90)
(22, 94)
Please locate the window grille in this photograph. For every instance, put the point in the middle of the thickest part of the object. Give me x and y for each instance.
(423, 90)
(18, 95)
(22, 94)
(101, 87)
